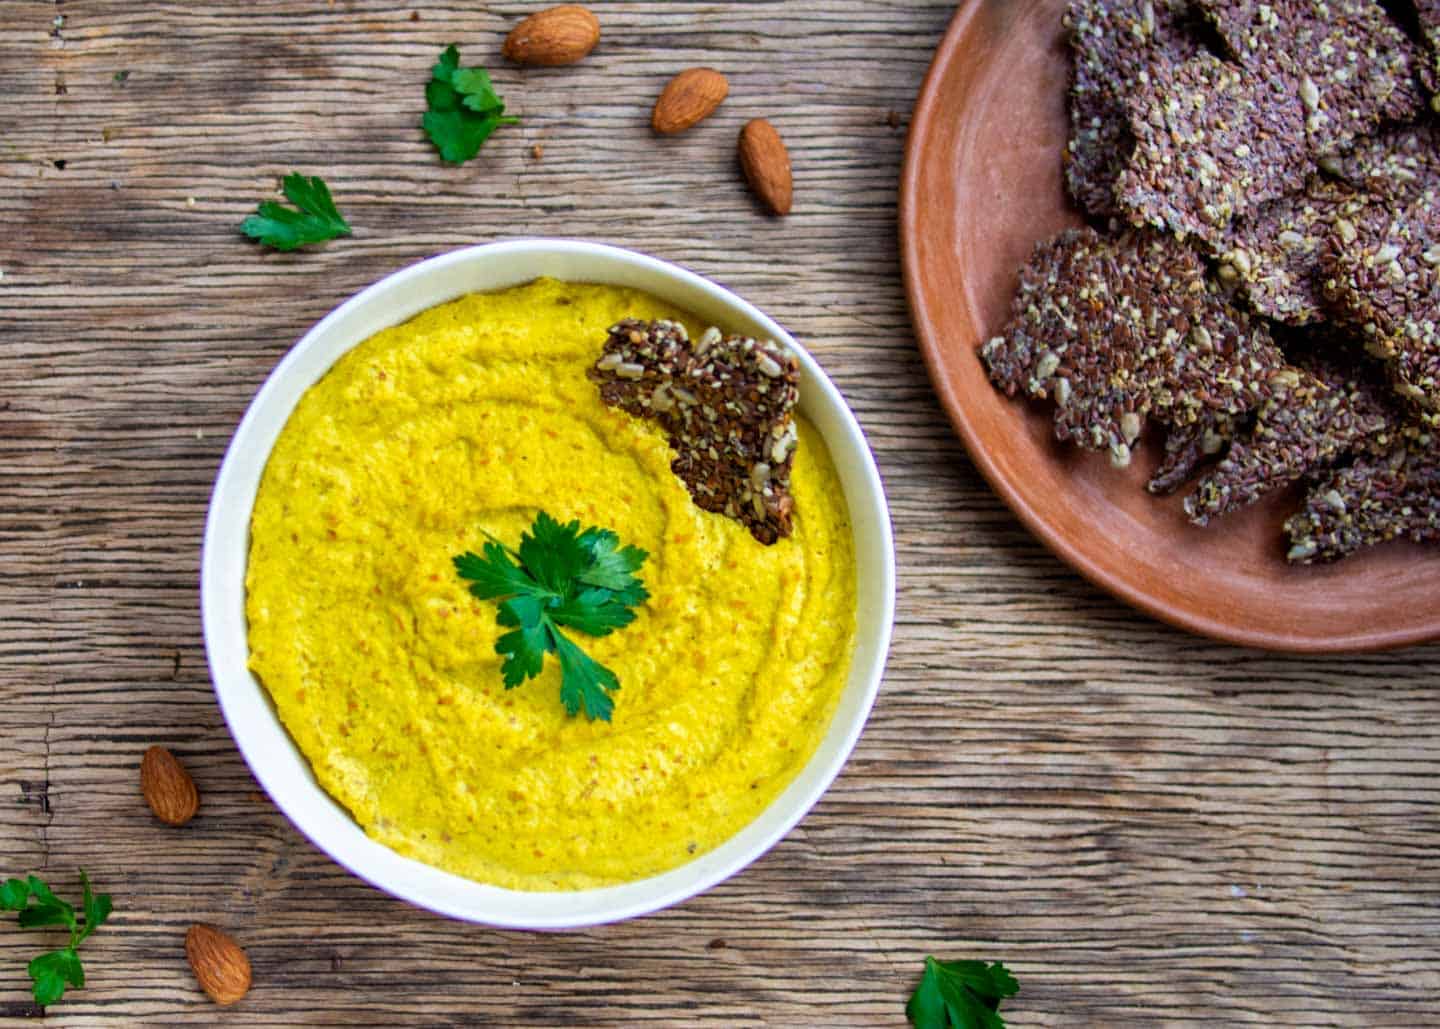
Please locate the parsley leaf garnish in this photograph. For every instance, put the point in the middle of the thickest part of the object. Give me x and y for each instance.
(960, 995)
(284, 228)
(464, 108)
(559, 576)
(53, 970)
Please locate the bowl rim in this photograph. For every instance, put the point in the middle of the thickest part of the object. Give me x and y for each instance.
(236, 689)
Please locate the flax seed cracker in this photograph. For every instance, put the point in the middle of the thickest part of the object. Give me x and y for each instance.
(1114, 43)
(727, 404)
(1119, 330)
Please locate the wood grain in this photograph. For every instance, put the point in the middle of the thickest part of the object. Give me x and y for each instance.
(1147, 827)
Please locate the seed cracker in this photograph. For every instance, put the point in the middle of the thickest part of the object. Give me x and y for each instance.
(1118, 330)
(727, 404)
(1398, 163)
(1427, 16)
(1113, 43)
(1274, 254)
(1374, 500)
(1380, 278)
(1186, 448)
(1308, 423)
(1213, 140)
(1349, 64)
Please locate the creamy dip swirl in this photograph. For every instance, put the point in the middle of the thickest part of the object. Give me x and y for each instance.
(466, 420)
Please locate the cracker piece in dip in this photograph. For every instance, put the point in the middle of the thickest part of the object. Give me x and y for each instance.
(1348, 62)
(1308, 423)
(1373, 500)
(1186, 448)
(727, 404)
(1213, 140)
(1113, 42)
(1118, 330)
(1381, 277)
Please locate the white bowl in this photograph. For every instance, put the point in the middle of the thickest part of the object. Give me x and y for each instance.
(272, 755)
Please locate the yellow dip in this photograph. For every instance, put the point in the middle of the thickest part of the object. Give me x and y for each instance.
(469, 419)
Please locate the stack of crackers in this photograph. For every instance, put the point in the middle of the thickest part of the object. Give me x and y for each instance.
(1259, 275)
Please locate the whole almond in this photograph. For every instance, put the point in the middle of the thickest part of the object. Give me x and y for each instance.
(556, 35)
(689, 97)
(167, 787)
(219, 963)
(766, 164)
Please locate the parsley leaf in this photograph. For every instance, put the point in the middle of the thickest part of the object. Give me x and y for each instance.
(612, 568)
(494, 575)
(47, 914)
(585, 682)
(464, 108)
(42, 893)
(559, 576)
(51, 971)
(284, 228)
(14, 894)
(552, 553)
(97, 907)
(594, 611)
(49, 985)
(960, 995)
(526, 647)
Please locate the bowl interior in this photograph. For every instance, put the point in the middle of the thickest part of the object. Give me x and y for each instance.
(273, 757)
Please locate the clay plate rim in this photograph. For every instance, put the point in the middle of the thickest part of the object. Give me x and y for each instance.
(946, 342)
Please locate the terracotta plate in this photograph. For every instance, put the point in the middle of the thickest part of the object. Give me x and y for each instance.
(981, 184)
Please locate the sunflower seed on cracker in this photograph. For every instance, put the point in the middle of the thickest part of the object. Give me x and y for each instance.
(1376, 499)
(1113, 43)
(727, 404)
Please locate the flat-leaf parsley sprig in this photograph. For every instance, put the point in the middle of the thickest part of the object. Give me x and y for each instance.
(961, 995)
(560, 576)
(464, 108)
(38, 907)
(313, 220)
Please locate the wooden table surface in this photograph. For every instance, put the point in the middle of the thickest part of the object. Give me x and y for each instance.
(1147, 827)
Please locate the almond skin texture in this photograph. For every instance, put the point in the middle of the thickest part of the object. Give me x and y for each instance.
(167, 787)
(556, 35)
(220, 966)
(689, 97)
(766, 164)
